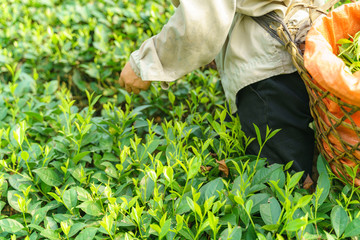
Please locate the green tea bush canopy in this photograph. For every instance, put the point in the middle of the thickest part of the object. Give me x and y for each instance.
(81, 158)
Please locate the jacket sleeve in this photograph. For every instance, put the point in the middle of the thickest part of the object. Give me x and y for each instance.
(193, 37)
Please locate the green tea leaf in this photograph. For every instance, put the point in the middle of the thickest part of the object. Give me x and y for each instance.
(295, 179)
(257, 200)
(270, 212)
(52, 87)
(295, 225)
(70, 198)
(79, 156)
(91, 208)
(339, 220)
(156, 228)
(87, 234)
(344, 41)
(235, 233)
(303, 201)
(24, 155)
(165, 228)
(258, 135)
(352, 229)
(35, 115)
(78, 80)
(50, 234)
(10, 225)
(13, 200)
(204, 225)
(272, 227)
(323, 180)
(49, 176)
(195, 165)
(211, 189)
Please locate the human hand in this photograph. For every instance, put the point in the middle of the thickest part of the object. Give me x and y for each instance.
(131, 82)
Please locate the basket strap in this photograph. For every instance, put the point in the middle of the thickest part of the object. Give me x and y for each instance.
(267, 21)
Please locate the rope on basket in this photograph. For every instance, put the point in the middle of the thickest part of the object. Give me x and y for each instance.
(327, 124)
(336, 150)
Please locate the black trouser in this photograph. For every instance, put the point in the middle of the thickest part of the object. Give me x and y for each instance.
(281, 102)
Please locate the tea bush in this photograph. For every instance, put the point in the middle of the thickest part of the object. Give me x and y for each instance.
(82, 159)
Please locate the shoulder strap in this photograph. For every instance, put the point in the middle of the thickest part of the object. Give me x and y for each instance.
(271, 20)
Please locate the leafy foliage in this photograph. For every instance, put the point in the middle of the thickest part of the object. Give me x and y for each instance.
(350, 53)
(82, 159)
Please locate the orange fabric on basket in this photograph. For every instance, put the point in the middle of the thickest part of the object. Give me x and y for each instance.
(328, 72)
(321, 50)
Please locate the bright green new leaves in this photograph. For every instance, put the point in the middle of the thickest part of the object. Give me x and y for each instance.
(295, 225)
(194, 167)
(163, 228)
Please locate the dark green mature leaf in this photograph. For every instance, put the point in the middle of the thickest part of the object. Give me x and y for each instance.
(352, 229)
(2, 205)
(187, 234)
(49, 176)
(70, 198)
(75, 228)
(80, 156)
(91, 208)
(235, 233)
(19, 182)
(322, 165)
(228, 218)
(10, 225)
(262, 175)
(50, 234)
(278, 175)
(35, 115)
(258, 199)
(210, 189)
(13, 199)
(250, 233)
(82, 194)
(34, 236)
(78, 80)
(3, 113)
(323, 180)
(339, 220)
(53, 86)
(270, 212)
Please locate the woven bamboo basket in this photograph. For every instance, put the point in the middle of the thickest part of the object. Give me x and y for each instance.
(326, 123)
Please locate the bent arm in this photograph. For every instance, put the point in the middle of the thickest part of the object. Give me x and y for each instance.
(192, 38)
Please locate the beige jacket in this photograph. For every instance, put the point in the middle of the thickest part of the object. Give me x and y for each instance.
(201, 30)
